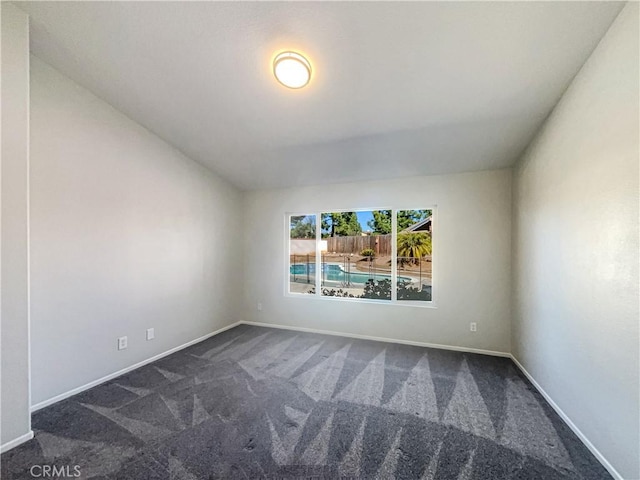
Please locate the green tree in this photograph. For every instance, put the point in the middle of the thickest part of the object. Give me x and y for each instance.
(302, 227)
(340, 224)
(406, 218)
(331, 223)
(353, 226)
(414, 246)
(381, 222)
(325, 225)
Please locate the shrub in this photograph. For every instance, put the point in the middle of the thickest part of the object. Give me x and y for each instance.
(326, 292)
(406, 292)
(368, 252)
(381, 290)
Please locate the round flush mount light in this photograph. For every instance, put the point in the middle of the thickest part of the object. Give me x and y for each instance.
(292, 69)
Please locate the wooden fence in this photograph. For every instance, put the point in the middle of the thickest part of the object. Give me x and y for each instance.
(381, 244)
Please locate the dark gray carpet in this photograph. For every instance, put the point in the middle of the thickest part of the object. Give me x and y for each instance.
(264, 403)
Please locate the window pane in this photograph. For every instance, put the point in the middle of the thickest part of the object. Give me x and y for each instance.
(414, 255)
(356, 254)
(302, 254)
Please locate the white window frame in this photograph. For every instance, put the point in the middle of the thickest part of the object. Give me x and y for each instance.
(394, 255)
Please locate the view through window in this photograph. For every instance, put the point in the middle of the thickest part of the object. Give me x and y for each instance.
(414, 253)
(357, 259)
(358, 250)
(302, 253)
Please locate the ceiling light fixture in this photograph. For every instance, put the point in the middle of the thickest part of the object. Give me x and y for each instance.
(291, 69)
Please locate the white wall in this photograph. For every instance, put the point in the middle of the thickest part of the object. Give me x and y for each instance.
(576, 250)
(15, 167)
(471, 260)
(126, 234)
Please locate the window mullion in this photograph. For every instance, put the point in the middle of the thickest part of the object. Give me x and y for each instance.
(394, 256)
(318, 255)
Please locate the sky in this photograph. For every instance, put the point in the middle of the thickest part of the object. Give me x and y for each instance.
(363, 218)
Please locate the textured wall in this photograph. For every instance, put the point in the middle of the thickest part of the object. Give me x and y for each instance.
(471, 260)
(576, 250)
(15, 170)
(126, 234)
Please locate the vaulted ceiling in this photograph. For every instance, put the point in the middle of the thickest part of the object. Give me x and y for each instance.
(398, 89)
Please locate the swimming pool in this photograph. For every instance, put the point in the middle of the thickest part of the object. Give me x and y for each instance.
(333, 272)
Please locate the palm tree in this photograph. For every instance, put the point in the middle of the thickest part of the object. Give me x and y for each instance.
(413, 246)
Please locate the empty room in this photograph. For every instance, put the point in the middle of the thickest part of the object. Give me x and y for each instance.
(320, 240)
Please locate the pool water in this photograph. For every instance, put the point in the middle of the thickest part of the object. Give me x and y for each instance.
(334, 273)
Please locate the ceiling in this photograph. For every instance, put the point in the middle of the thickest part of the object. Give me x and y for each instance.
(398, 89)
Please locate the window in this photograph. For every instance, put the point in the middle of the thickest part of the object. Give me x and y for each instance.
(414, 249)
(383, 255)
(356, 262)
(302, 253)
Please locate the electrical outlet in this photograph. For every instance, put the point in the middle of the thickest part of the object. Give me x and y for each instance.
(473, 326)
(122, 343)
(151, 333)
(259, 307)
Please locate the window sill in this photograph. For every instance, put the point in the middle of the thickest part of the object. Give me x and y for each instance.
(397, 303)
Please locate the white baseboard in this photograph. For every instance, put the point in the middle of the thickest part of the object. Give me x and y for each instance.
(111, 376)
(596, 453)
(381, 339)
(16, 441)
(28, 436)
